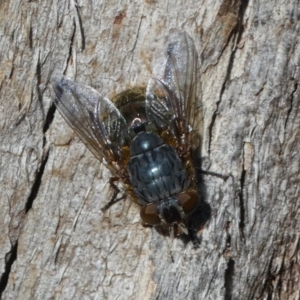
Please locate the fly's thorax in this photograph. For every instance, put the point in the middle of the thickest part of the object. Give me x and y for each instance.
(144, 142)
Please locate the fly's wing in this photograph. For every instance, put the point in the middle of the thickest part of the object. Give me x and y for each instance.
(95, 119)
(171, 101)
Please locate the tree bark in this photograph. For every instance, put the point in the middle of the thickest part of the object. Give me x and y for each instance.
(55, 241)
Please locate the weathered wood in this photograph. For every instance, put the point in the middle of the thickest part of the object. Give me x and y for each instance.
(55, 242)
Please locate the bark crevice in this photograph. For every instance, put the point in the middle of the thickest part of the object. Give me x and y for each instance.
(80, 25)
(37, 183)
(69, 58)
(241, 198)
(228, 278)
(291, 104)
(10, 258)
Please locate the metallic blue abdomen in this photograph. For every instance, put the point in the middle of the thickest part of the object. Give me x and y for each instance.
(156, 171)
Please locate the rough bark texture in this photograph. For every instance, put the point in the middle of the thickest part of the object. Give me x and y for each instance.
(55, 242)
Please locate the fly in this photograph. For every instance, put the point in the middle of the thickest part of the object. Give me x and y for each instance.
(146, 139)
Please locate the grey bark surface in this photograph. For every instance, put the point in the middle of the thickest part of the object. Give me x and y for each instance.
(55, 241)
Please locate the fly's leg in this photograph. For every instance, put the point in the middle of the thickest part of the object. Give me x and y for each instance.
(205, 163)
(196, 240)
(224, 177)
(114, 198)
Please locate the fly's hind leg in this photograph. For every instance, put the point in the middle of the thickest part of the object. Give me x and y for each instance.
(224, 177)
(202, 165)
(114, 199)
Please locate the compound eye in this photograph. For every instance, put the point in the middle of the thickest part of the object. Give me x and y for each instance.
(188, 201)
(149, 215)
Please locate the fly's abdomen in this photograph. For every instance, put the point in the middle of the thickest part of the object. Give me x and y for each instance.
(156, 171)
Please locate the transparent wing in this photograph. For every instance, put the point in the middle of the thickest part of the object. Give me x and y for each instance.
(94, 118)
(171, 101)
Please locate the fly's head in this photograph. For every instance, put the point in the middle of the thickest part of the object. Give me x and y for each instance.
(172, 213)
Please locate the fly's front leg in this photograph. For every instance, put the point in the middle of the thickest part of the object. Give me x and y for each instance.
(116, 191)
